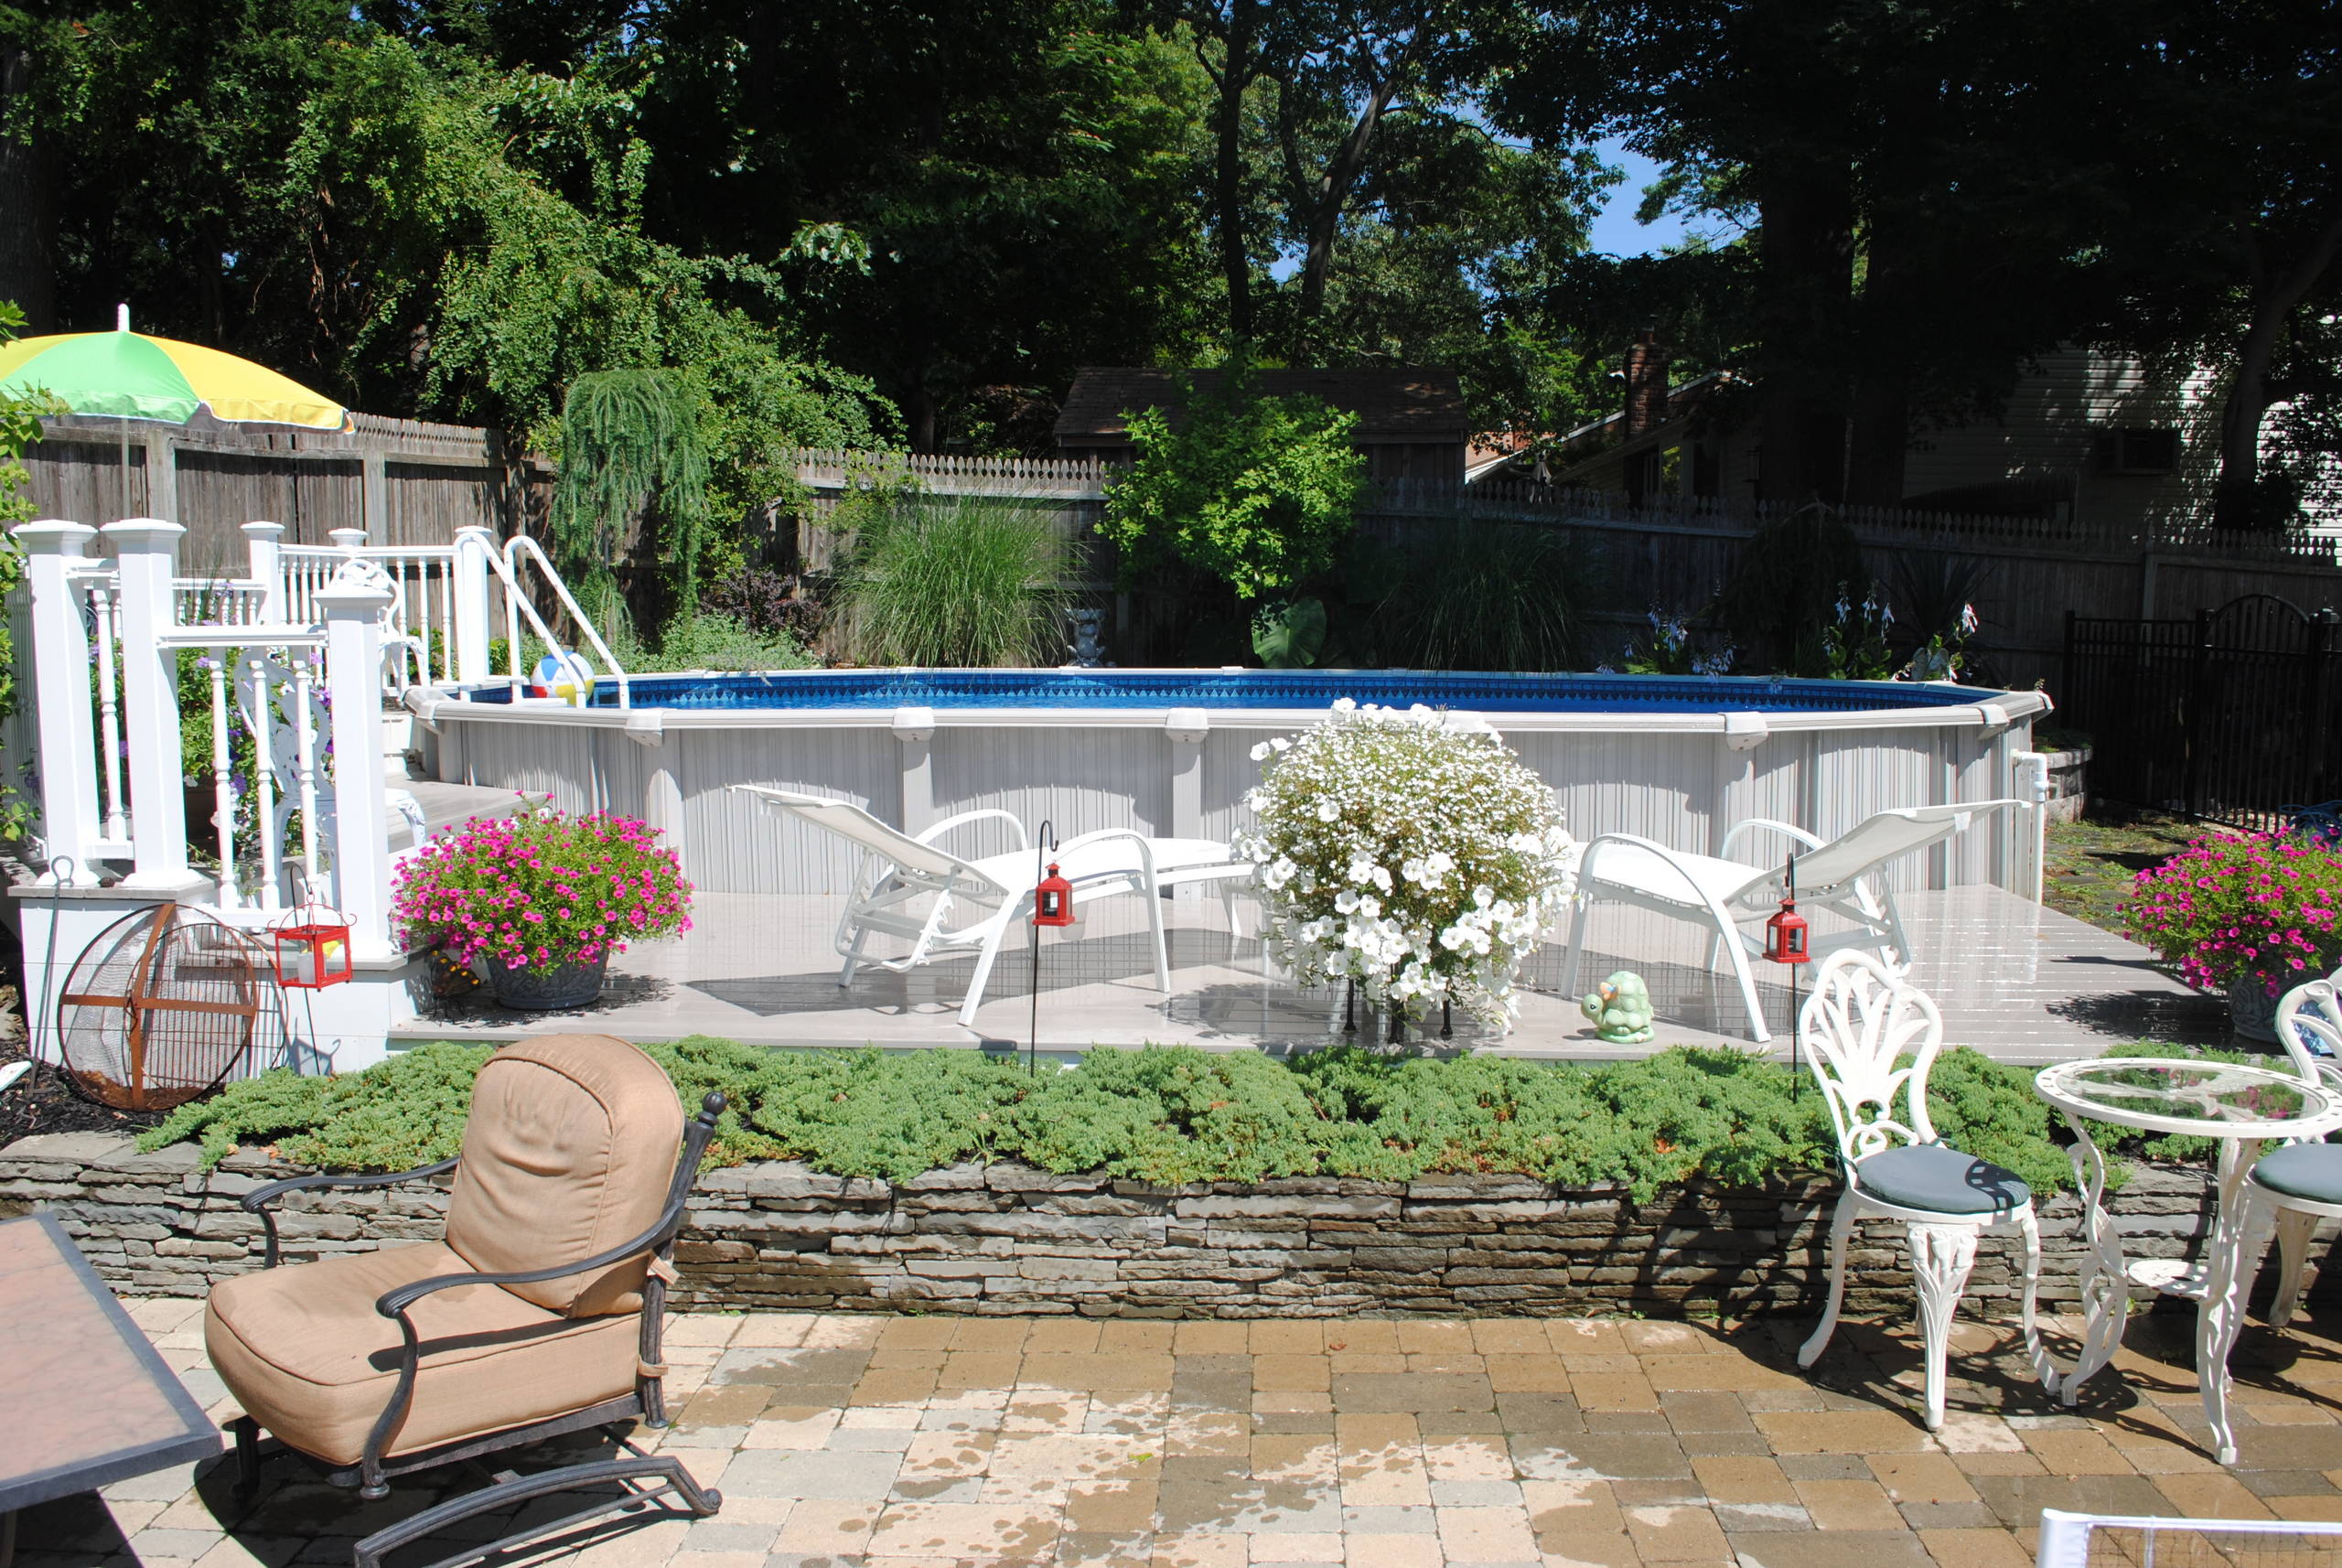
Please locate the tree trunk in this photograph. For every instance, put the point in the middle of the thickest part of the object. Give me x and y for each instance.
(1807, 247)
(2238, 500)
(1236, 69)
(1333, 193)
(27, 211)
(1879, 427)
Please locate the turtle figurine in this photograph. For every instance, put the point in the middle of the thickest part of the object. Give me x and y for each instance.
(1620, 1008)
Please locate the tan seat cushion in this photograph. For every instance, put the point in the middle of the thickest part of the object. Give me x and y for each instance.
(306, 1355)
(568, 1151)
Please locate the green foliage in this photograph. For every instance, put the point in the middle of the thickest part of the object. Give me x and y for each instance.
(629, 445)
(1259, 491)
(1783, 595)
(952, 580)
(1289, 636)
(1493, 596)
(1853, 642)
(1173, 1113)
(405, 1112)
(706, 641)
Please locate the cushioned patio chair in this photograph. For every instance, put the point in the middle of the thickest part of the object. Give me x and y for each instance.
(538, 1316)
(1843, 876)
(2287, 1192)
(1860, 1019)
(973, 902)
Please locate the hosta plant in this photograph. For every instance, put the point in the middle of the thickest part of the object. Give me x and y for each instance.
(2263, 904)
(545, 888)
(1409, 852)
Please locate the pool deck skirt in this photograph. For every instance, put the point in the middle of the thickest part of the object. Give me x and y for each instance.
(2018, 981)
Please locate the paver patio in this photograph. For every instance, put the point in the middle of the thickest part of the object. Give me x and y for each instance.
(863, 1442)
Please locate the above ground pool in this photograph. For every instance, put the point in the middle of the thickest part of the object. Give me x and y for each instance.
(1675, 759)
(1255, 689)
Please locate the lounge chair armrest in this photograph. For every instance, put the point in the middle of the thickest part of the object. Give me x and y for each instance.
(1589, 858)
(964, 818)
(1145, 848)
(257, 1201)
(1769, 824)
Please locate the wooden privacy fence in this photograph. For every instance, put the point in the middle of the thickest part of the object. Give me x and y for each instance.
(1672, 553)
(401, 480)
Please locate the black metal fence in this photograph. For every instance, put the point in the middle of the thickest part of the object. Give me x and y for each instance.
(2229, 716)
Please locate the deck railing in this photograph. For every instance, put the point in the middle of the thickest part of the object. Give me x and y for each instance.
(300, 656)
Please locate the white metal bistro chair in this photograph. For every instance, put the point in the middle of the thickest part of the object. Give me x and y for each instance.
(1861, 1019)
(1844, 876)
(2287, 1191)
(969, 904)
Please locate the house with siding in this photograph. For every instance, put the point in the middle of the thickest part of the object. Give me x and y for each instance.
(1411, 423)
(2086, 434)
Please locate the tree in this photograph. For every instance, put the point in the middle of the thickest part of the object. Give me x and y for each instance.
(1259, 491)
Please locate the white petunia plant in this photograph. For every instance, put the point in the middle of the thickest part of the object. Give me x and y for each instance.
(1409, 852)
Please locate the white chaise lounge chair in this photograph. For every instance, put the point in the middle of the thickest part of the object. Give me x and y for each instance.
(1842, 876)
(973, 902)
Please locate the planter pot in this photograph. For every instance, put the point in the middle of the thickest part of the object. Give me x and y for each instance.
(541, 986)
(2252, 1012)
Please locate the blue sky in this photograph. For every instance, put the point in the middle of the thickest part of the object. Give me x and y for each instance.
(1616, 232)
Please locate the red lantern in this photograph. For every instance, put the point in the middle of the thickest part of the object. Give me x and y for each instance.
(1785, 934)
(1053, 900)
(311, 950)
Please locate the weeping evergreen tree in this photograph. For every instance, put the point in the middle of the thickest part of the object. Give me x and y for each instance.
(630, 448)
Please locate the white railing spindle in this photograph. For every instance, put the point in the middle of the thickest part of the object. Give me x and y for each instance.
(109, 714)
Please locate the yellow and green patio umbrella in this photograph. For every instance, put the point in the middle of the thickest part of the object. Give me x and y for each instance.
(130, 375)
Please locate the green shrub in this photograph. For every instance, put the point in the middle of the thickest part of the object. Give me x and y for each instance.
(954, 580)
(708, 641)
(1171, 1114)
(1493, 596)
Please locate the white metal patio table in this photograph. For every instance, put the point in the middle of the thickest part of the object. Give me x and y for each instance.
(2241, 1107)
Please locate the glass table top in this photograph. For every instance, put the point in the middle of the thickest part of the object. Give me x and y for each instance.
(2173, 1094)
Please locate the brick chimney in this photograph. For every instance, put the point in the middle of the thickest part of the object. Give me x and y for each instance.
(1646, 384)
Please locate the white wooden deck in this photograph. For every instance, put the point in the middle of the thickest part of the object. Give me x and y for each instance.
(2022, 983)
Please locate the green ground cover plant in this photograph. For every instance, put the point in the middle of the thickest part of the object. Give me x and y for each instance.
(1173, 1113)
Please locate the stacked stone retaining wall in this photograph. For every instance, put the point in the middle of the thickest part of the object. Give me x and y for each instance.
(1009, 1239)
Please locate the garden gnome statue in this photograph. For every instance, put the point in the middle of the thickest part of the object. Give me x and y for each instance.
(1620, 1008)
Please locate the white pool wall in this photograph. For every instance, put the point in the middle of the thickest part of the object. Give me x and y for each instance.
(1681, 778)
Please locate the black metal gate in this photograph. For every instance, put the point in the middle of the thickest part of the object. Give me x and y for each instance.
(2229, 716)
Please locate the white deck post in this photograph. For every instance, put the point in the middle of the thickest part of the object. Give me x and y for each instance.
(474, 547)
(69, 746)
(262, 541)
(148, 550)
(352, 608)
(914, 728)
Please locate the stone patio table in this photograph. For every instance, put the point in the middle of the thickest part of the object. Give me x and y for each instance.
(84, 1399)
(2243, 1107)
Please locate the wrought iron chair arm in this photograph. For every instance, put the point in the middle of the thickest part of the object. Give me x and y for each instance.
(257, 1201)
(394, 1303)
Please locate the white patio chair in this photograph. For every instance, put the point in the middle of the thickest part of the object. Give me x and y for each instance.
(1861, 1019)
(975, 901)
(1843, 876)
(2287, 1191)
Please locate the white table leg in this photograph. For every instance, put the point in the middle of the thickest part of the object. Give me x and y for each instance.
(2232, 1260)
(2105, 1282)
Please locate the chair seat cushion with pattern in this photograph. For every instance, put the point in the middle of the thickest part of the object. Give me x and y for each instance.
(1940, 1180)
(305, 1352)
(2311, 1171)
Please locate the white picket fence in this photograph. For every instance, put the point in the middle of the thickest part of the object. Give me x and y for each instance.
(301, 653)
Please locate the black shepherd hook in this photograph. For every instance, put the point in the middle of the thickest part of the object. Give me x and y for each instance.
(1045, 845)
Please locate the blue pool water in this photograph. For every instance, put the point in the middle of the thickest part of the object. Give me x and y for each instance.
(1097, 689)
